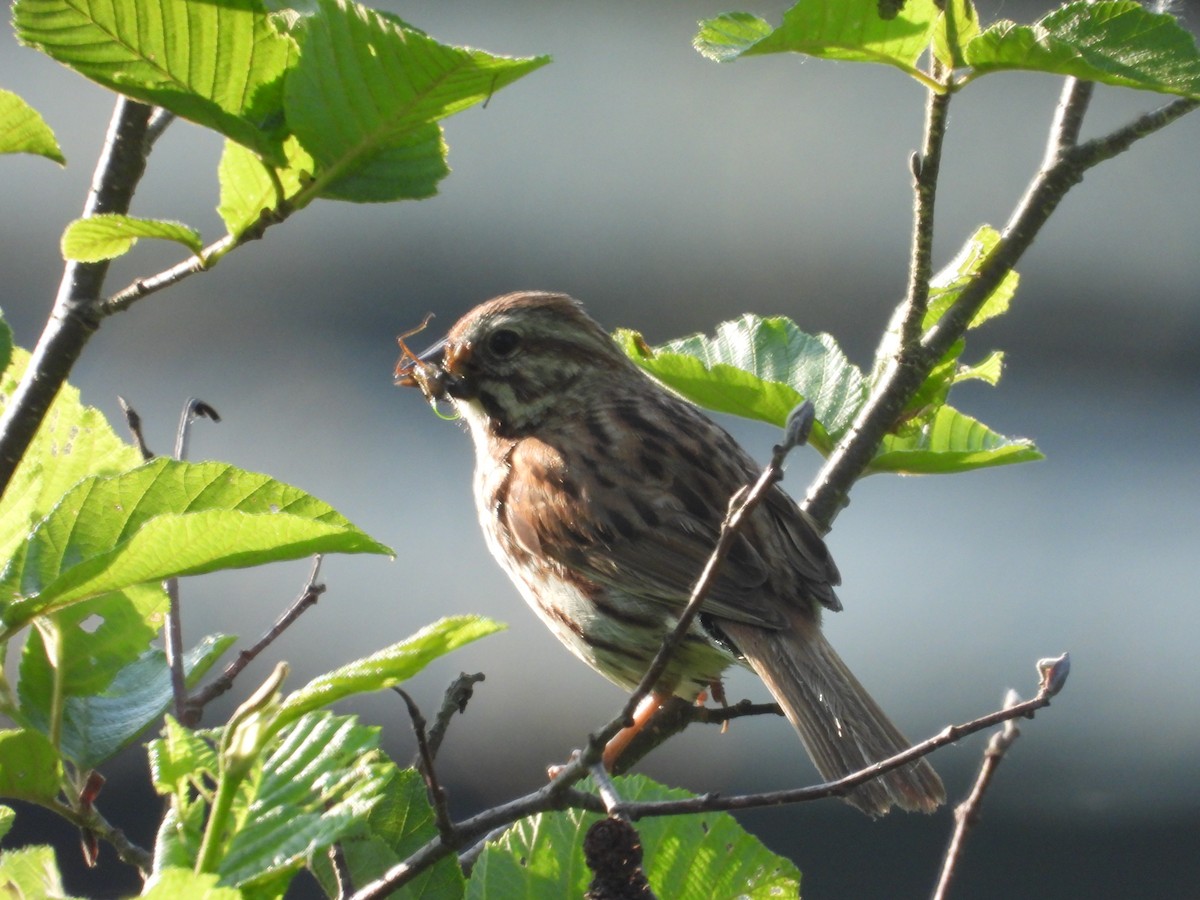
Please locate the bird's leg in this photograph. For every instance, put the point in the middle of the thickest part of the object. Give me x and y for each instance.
(645, 711)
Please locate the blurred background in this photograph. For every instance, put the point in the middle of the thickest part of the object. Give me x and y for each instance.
(670, 194)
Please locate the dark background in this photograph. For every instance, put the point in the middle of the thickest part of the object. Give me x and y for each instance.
(669, 194)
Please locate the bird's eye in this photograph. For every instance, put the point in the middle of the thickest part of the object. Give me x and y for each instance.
(504, 342)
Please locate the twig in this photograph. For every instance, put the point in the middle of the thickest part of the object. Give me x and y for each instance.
(173, 630)
(309, 595)
(194, 409)
(91, 820)
(613, 805)
(455, 701)
(160, 120)
(1053, 673)
(1052, 683)
(74, 317)
(341, 871)
(966, 814)
(437, 794)
(133, 422)
(926, 168)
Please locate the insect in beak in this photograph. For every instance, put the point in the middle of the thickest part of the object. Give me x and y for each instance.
(426, 370)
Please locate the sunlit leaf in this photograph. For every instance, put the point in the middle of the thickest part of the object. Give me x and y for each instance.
(324, 775)
(23, 130)
(760, 369)
(1118, 42)
(110, 235)
(184, 884)
(388, 667)
(31, 872)
(74, 441)
(30, 769)
(833, 29)
(365, 94)
(949, 441)
(164, 519)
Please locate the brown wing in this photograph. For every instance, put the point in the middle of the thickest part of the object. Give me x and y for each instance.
(643, 516)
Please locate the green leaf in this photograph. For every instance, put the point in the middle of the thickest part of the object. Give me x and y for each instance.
(1119, 43)
(23, 130)
(395, 828)
(30, 769)
(946, 442)
(760, 369)
(948, 284)
(184, 884)
(8, 817)
(729, 35)
(988, 370)
(832, 29)
(365, 91)
(179, 835)
(220, 65)
(180, 759)
(324, 775)
(109, 235)
(31, 872)
(248, 188)
(388, 667)
(96, 639)
(95, 727)
(707, 856)
(165, 519)
(73, 441)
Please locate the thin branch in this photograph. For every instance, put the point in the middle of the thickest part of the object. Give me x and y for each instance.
(173, 629)
(1053, 676)
(608, 793)
(309, 595)
(160, 120)
(74, 317)
(457, 696)
(966, 814)
(950, 734)
(897, 384)
(341, 871)
(437, 795)
(194, 409)
(926, 168)
(91, 820)
(1073, 104)
(133, 422)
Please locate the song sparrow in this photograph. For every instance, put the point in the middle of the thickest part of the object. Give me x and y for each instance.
(601, 494)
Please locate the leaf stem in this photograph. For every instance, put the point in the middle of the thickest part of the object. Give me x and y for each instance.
(210, 845)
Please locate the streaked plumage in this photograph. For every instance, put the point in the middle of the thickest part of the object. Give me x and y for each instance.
(602, 495)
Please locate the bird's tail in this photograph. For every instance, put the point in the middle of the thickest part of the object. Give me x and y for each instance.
(842, 728)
